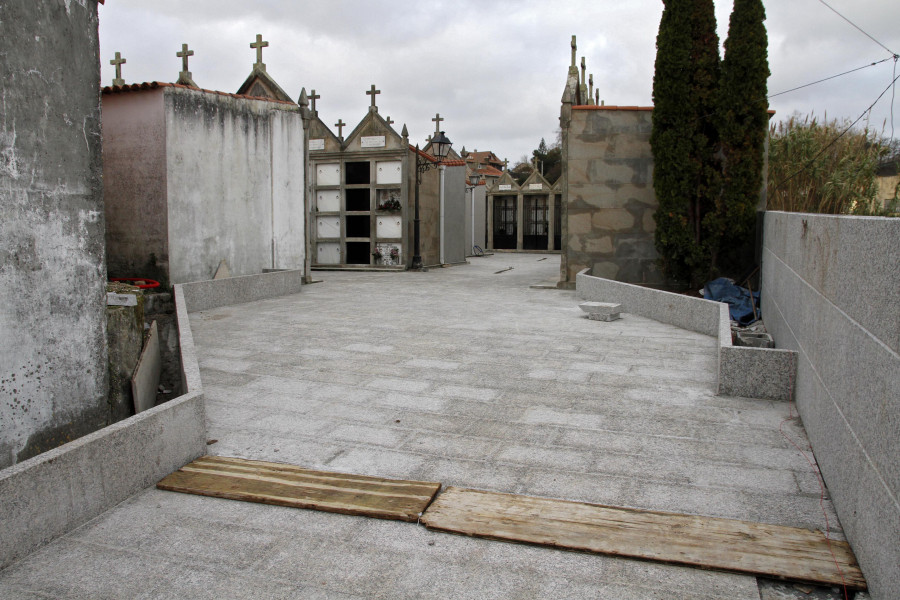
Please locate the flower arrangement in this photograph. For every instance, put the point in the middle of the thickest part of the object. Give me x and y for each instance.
(395, 253)
(390, 205)
(377, 254)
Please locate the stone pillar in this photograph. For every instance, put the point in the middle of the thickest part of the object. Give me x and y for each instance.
(520, 221)
(489, 243)
(551, 220)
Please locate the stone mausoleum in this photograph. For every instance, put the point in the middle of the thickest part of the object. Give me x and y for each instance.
(607, 193)
(361, 197)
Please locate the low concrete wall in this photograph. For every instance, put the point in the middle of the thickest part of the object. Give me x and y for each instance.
(55, 492)
(693, 314)
(746, 372)
(204, 295)
(48, 495)
(831, 291)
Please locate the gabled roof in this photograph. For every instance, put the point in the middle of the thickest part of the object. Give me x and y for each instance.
(505, 179)
(536, 179)
(373, 125)
(153, 85)
(318, 130)
(260, 84)
(486, 157)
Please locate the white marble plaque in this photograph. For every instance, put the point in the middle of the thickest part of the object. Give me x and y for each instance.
(505, 187)
(388, 172)
(535, 186)
(328, 227)
(317, 144)
(389, 226)
(329, 253)
(114, 299)
(373, 141)
(328, 200)
(328, 174)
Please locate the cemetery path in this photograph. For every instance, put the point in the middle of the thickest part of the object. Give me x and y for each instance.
(460, 375)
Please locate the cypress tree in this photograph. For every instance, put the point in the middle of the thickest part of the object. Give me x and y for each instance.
(743, 122)
(683, 140)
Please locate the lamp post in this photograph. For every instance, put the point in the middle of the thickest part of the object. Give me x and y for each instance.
(441, 146)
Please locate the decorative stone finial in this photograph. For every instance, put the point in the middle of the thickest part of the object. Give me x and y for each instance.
(312, 98)
(373, 92)
(574, 50)
(117, 62)
(437, 122)
(405, 132)
(259, 45)
(185, 77)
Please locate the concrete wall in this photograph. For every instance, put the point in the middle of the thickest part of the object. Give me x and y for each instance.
(52, 269)
(480, 218)
(831, 291)
(610, 200)
(234, 184)
(134, 185)
(455, 201)
(212, 293)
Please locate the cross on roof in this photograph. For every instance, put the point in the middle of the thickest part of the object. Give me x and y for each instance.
(118, 61)
(259, 45)
(437, 122)
(583, 67)
(574, 50)
(340, 125)
(389, 121)
(505, 163)
(373, 92)
(312, 98)
(183, 55)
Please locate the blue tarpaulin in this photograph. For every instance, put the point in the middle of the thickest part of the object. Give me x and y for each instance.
(737, 298)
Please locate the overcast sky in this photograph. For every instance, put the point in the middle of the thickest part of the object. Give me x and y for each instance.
(494, 70)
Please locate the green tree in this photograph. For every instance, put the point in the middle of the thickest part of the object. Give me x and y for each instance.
(683, 139)
(742, 121)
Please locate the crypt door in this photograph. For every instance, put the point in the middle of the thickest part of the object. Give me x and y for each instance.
(505, 221)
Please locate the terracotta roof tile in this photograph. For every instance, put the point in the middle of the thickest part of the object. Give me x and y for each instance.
(446, 163)
(152, 85)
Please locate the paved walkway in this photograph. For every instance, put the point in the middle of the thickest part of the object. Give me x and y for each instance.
(460, 375)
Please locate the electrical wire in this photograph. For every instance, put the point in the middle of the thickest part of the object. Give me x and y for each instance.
(857, 27)
(834, 141)
(833, 76)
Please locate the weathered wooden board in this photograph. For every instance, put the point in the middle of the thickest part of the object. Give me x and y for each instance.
(755, 548)
(287, 485)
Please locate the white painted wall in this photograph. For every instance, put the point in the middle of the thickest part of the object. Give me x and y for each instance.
(234, 184)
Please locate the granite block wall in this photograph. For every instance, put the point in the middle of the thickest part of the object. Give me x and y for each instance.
(609, 203)
(831, 291)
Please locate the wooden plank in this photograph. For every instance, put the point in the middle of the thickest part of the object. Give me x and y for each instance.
(145, 379)
(756, 548)
(289, 485)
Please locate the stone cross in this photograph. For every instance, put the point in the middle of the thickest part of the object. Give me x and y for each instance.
(505, 163)
(183, 55)
(389, 121)
(591, 93)
(340, 125)
(428, 139)
(597, 103)
(259, 45)
(312, 98)
(373, 92)
(574, 50)
(583, 67)
(437, 122)
(118, 61)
